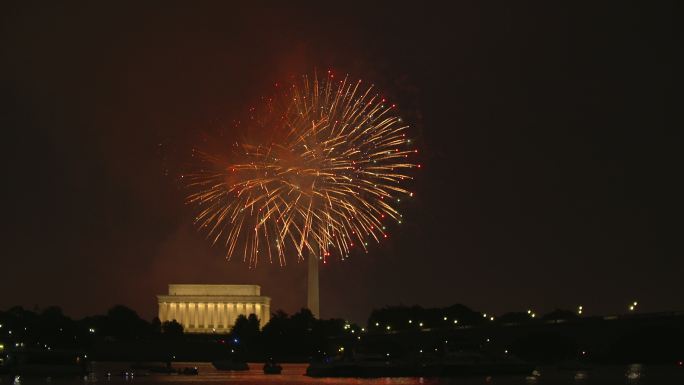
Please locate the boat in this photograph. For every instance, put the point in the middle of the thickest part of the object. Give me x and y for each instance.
(271, 367)
(189, 371)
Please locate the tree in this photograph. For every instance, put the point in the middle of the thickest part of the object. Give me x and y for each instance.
(253, 322)
(246, 328)
(156, 325)
(303, 321)
(172, 328)
(560, 314)
(514, 317)
(545, 347)
(125, 323)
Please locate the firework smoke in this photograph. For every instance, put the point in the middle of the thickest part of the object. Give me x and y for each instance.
(325, 177)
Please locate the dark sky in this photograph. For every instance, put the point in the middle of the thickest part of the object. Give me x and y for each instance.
(549, 137)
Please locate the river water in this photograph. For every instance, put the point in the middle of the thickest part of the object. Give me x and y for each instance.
(293, 374)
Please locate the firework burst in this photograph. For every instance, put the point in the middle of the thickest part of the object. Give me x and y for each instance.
(326, 178)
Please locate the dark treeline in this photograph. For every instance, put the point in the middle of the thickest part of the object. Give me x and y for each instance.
(561, 335)
(558, 336)
(122, 335)
(404, 318)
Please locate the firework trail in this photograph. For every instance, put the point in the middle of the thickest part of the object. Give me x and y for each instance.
(330, 170)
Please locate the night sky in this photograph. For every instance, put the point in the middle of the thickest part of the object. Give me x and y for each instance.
(551, 152)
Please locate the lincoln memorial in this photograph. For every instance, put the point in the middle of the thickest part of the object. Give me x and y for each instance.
(212, 308)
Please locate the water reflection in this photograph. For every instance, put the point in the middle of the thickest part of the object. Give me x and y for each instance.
(633, 373)
(293, 374)
(580, 375)
(533, 378)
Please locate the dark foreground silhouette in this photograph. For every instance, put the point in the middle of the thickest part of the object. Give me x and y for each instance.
(396, 341)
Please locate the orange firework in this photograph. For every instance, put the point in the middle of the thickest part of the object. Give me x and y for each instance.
(329, 174)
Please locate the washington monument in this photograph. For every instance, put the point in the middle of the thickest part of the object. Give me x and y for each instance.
(312, 292)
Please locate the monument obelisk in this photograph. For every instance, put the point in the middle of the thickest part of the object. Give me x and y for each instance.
(312, 281)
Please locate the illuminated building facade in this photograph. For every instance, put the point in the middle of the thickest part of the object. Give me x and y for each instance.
(212, 308)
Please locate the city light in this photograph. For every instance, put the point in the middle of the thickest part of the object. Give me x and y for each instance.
(579, 309)
(455, 321)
